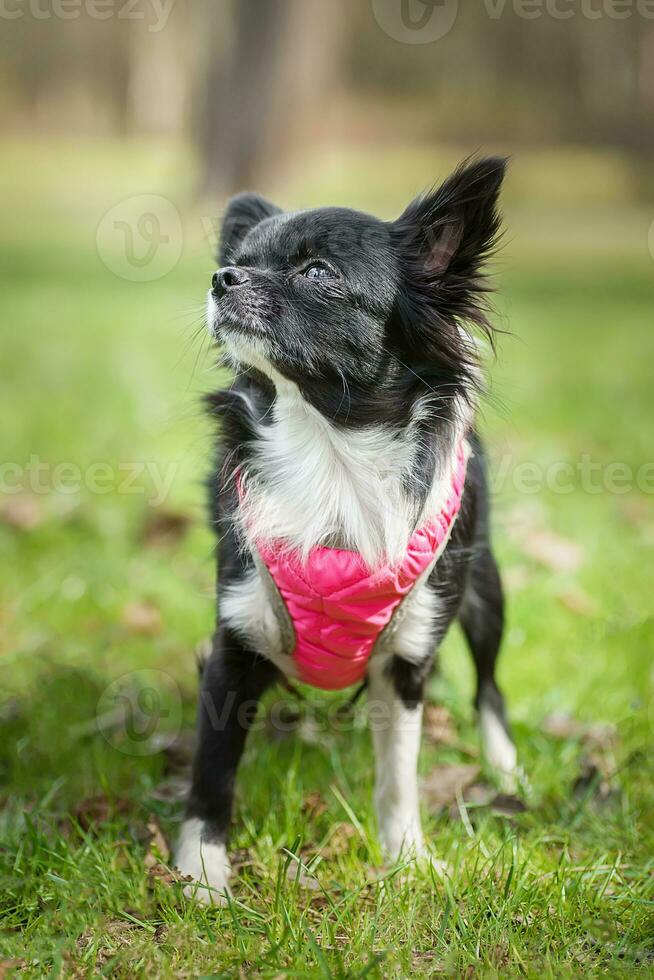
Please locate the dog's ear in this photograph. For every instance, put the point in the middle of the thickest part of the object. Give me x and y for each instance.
(243, 213)
(444, 236)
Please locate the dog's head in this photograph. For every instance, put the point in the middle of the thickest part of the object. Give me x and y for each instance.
(365, 316)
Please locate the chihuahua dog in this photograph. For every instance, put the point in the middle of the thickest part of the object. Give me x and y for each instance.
(349, 497)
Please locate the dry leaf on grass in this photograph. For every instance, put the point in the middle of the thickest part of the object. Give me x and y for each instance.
(157, 857)
(595, 735)
(164, 874)
(314, 805)
(516, 577)
(116, 934)
(241, 858)
(99, 809)
(526, 526)
(141, 617)
(438, 724)
(600, 736)
(9, 967)
(318, 902)
(23, 512)
(483, 797)
(121, 930)
(597, 764)
(555, 552)
(507, 805)
(594, 781)
(438, 727)
(637, 511)
(429, 958)
(26, 512)
(561, 725)
(476, 795)
(158, 849)
(441, 786)
(163, 528)
(578, 602)
(338, 842)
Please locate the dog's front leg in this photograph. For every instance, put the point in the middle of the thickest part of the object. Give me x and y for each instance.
(395, 718)
(234, 679)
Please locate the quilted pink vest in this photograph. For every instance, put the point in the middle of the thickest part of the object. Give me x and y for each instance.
(338, 606)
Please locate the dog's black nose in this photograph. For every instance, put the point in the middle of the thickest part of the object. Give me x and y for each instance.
(228, 278)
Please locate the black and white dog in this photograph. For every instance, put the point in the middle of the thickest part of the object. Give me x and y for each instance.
(357, 345)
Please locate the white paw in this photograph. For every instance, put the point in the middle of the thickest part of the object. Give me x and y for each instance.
(412, 848)
(205, 862)
(401, 841)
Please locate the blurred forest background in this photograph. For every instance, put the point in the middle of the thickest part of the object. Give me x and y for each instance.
(253, 84)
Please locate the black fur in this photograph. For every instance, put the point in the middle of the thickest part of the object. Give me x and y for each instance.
(376, 336)
(233, 681)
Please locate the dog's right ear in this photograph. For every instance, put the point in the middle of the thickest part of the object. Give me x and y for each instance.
(243, 213)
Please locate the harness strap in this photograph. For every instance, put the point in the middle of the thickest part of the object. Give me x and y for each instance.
(334, 611)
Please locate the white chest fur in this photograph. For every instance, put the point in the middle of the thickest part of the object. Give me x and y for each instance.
(309, 483)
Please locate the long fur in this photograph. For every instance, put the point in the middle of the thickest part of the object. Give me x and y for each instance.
(311, 483)
(356, 345)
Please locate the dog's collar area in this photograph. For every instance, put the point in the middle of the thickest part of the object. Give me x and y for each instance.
(339, 608)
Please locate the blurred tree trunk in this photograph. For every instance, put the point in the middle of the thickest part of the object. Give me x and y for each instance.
(238, 91)
(646, 69)
(279, 60)
(158, 86)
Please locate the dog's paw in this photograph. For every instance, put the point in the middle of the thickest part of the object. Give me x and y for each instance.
(400, 842)
(206, 862)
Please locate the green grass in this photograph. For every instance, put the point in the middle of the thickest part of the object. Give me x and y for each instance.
(99, 370)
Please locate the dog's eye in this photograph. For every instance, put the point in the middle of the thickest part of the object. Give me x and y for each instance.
(318, 270)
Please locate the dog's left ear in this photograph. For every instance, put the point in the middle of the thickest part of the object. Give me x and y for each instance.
(446, 234)
(243, 213)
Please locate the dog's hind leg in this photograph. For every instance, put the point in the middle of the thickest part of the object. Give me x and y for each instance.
(482, 618)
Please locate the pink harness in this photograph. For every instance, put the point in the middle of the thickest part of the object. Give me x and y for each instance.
(338, 606)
